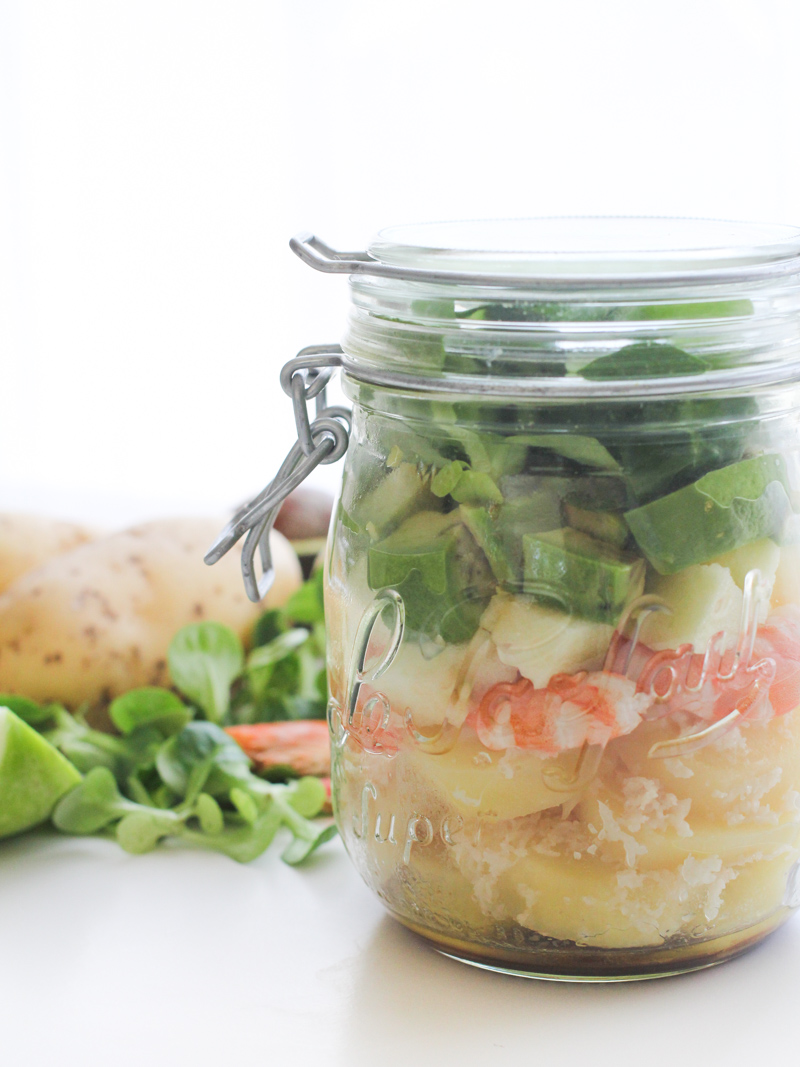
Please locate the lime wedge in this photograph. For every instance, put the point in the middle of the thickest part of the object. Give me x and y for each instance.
(33, 775)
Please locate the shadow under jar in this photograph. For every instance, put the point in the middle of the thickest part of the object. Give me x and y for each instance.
(563, 589)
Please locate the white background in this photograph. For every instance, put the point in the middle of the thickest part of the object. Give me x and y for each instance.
(156, 156)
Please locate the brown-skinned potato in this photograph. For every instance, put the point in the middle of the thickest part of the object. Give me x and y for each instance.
(28, 541)
(98, 620)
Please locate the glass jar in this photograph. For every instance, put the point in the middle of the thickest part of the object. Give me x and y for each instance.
(563, 589)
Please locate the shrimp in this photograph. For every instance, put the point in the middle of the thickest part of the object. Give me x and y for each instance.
(779, 640)
(286, 748)
(572, 710)
(760, 682)
(757, 684)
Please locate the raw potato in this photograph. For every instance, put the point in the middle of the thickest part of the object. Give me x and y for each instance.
(495, 785)
(97, 621)
(28, 541)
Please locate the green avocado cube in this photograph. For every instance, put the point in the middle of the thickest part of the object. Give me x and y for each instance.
(723, 510)
(585, 577)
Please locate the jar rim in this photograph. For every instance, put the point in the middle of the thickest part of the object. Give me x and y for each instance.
(573, 249)
(689, 305)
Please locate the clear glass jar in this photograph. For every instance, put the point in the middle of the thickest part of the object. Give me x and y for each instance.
(563, 587)
(563, 592)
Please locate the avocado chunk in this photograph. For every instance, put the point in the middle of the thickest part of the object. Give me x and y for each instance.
(399, 494)
(499, 530)
(437, 567)
(723, 510)
(484, 527)
(606, 526)
(586, 577)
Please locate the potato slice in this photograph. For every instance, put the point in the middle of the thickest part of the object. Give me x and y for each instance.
(751, 776)
(703, 601)
(540, 641)
(97, 621)
(786, 589)
(760, 555)
(495, 785)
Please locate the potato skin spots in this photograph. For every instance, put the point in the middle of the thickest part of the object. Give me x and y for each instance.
(28, 541)
(96, 621)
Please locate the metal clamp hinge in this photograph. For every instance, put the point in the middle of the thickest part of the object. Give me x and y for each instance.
(324, 440)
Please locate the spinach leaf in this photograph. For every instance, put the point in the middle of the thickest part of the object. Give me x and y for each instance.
(242, 843)
(268, 626)
(140, 831)
(269, 654)
(581, 449)
(646, 359)
(240, 819)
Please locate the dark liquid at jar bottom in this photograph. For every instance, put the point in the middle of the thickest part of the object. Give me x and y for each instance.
(565, 961)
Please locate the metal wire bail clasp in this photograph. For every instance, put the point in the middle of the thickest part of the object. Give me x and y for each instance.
(322, 441)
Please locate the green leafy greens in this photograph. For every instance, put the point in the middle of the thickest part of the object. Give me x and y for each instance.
(172, 771)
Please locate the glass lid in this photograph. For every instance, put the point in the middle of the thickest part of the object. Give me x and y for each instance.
(567, 247)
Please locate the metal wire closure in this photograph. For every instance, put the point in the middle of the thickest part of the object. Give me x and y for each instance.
(322, 441)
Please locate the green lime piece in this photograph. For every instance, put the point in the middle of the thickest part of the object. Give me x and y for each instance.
(584, 576)
(33, 775)
(723, 510)
(437, 567)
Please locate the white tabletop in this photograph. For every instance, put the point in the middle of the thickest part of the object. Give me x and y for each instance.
(182, 957)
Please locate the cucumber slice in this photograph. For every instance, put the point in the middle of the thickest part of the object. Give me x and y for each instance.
(587, 577)
(723, 510)
(439, 570)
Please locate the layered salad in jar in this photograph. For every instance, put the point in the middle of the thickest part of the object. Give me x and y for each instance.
(565, 660)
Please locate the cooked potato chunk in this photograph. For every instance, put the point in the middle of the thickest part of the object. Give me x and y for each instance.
(98, 620)
(28, 541)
